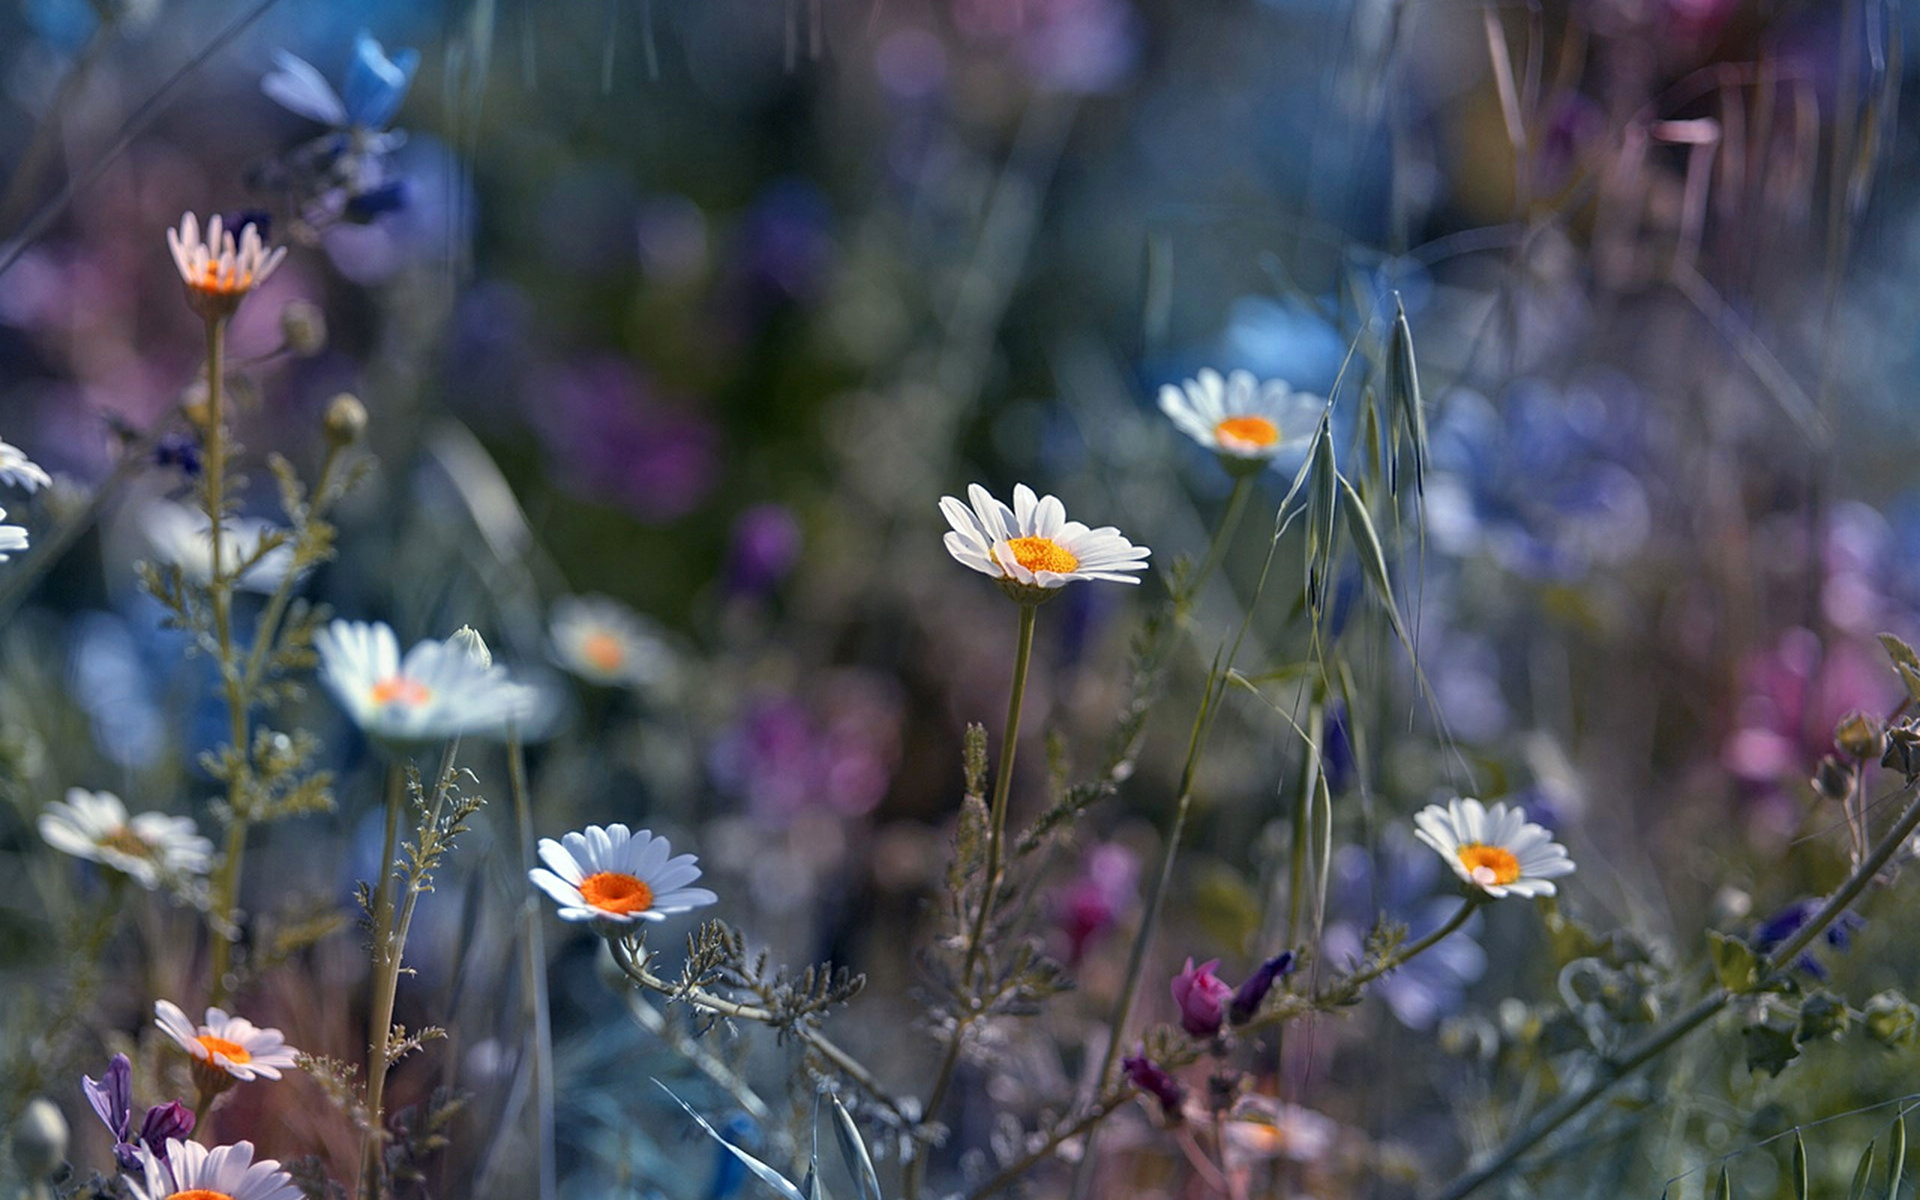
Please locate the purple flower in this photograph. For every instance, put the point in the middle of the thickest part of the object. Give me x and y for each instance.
(1246, 1001)
(164, 1121)
(1779, 928)
(1201, 999)
(112, 1097)
(610, 437)
(1152, 1078)
(766, 545)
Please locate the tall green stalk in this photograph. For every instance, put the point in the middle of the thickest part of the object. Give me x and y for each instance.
(534, 955)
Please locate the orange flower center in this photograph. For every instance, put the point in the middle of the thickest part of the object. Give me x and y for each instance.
(199, 1194)
(603, 651)
(126, 841)
(611, 891)
(1498, 861)
(232, 283)
(398, 689)
(1043, 554)
(1252, 432)
(222, 1048)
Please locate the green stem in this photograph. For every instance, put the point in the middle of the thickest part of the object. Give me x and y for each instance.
(990, 883)
(389, 949)
(1551, 1118)
(534, 952)
(1222, 537)
(1411, 950)
(1297, 868)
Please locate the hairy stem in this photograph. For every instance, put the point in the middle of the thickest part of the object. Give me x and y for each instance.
(534, 952)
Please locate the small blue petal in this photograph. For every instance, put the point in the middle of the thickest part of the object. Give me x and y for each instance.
(296, 86)
(376, 84)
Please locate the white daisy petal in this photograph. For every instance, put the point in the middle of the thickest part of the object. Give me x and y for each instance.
(1496, 850)
(1032, 548)
(617, 877)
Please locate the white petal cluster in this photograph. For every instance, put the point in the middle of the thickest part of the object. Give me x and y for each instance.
(611, 876)
(1477, 842)
(1032, 545)
(228, 1043)
(217, 265)
(440, 690)
(17, 470)
(1241, 418)
(221, 1171)
(151, 849)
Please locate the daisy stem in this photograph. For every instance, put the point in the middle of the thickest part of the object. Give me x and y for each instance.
(389, 948)
(534, 951)
(1222, 538)
(990, 880)
(1404, 954)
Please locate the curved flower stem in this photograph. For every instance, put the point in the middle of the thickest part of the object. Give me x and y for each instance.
(389, 948)
(635, 969)
(534, 950)
(1222, 537)
(1412, 950)
(1612, 1071)
(989, 884)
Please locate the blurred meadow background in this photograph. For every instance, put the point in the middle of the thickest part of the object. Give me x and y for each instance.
(669, 322)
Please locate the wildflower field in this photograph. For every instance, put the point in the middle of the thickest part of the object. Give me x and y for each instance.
(953, 599)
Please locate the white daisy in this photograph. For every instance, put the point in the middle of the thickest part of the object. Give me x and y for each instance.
(439, 691)
(218, 272)
(17, 470)
(1032, 548)
(183, 537)
(150, 849)
(605, 642)
(190, 1171)
(12, 538)
(1495, 849)
(233, 1045)
(1246, 422)
(610, 876)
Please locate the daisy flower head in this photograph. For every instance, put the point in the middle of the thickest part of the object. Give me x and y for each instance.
(12, 538)
(438, 691)
(1031, 548)
(226, 1049)
(183, 537)
(615, 878)
(218, 271)
(189, 1171)
(604, 642)
(17, 470)
(1496, 850)
(1246, 422)
(151, 849)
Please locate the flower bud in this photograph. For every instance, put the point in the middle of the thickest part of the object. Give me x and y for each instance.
(1152, 1078)
(1858, 735)
(303, 327)
(1246, 1001)
(346, 420)
(1833, 778)
(467, 640)
(40, 1139)
(170, 1120)
(1201, 999)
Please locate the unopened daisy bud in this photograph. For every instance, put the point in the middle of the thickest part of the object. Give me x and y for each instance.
(346, 420)
(1858, 734)
(1246, 1001)
(303, 327)
(1833, 778)
(1152, 1078)
(467, 640)
(40, 1139)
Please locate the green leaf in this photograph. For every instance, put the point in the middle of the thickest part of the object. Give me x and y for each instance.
(1799, 1168)
(1896, 1156)
(1862, 1176)
(853, 1151)
(1769, 1050)
(1723, 1190)
(766, 1174)
(1905, 660)
(1733, 962)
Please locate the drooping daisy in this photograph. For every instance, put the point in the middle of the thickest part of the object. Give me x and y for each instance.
(1031, 548)
(439, 691)
(605, 642)
(151, 849)
(183, 537)
(613, 877)
(190, 1171)
(218, 271)
(230, 1045)
(1495, 849)
(12, 538)
(1248, 423)
(17, 470)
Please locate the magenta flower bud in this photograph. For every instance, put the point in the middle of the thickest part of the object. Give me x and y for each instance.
(1152, 1078)
(170, 1120)
(1246, 1001)
(1201, 999)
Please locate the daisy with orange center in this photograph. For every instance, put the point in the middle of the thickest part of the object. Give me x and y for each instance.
(1496, 850)
(439, 690)
(228, 1045)
(190, 1171)
(604, 642)
(615, 878)
(218, 271)
(1246, 422)
(152, 848)
(1031, 548)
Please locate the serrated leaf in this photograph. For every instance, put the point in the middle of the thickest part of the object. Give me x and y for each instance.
(766, 1174)
(853, 1151)
(1862, 1176)
(1799, 1168)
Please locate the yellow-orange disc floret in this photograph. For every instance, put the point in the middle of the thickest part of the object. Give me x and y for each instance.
(616, 892)
(398, 689)
(1498, 860)
(199, 1194)
(233, 1052)
(1256, 432)
(1043, 554)
(603, 650)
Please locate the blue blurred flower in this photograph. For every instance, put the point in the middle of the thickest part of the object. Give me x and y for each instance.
(375, 86)
(1777, 929)
(346, 173)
